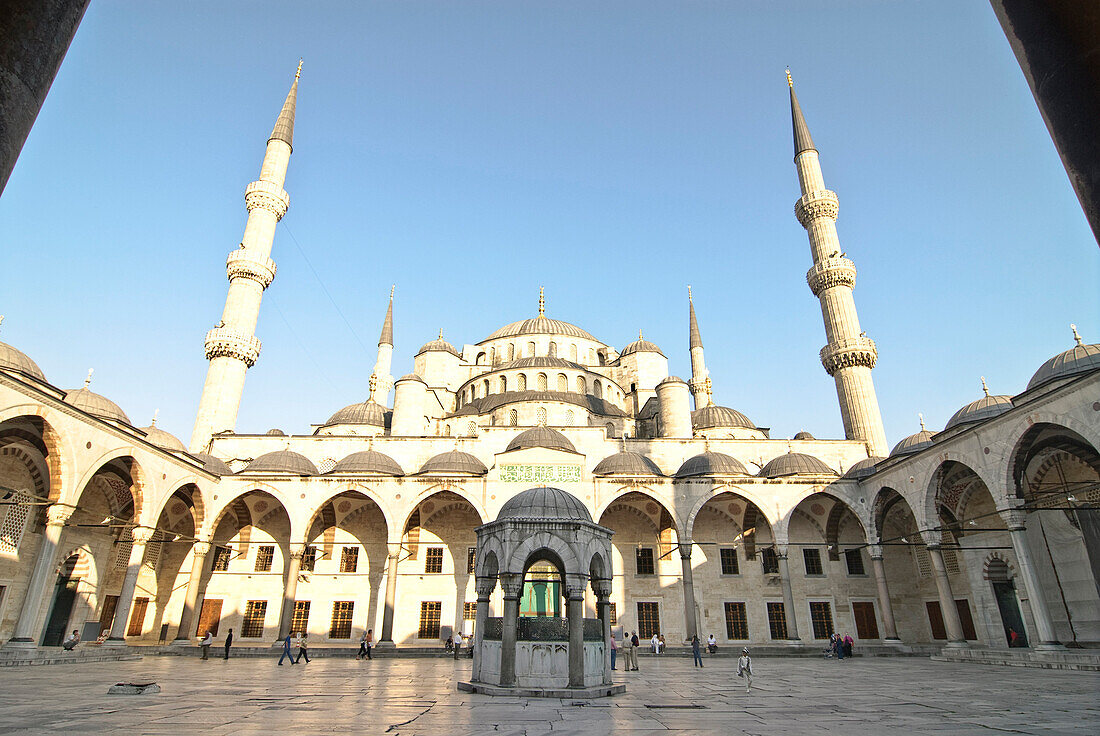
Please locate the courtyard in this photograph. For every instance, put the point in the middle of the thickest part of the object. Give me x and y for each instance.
(410, 697)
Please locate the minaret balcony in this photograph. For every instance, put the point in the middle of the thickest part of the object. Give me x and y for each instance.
(830, 272)
(815, 204)
(222, 342)
(268, 196)
(849, 352)
(243, 263)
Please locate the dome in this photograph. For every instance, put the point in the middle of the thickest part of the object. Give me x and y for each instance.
(671, 379)
(641, 345)
(719, 416)
(984, 408)
(544, 503)
(795, 463)
(711, 463)
(540, 325)
(275, 433)
(551, 439)
(804, 435)
(366, 412)
(865, 468)
(409, 377)
(283, 461)
(627, 463)
(1081, 358)
(164, 440)
(913, 443)
(540, 361)
(213, 464)
(439, 345)
(96, 405)
(455, 461)
(368, 461)
(16, 360)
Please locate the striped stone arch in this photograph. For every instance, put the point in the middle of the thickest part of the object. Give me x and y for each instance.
(58, 450)
(38, 472)
(995, 558)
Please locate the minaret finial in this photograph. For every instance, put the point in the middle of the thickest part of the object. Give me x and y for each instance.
(790, 82)
(88, 380)
(386, 338)
(392, 288)
(802, 139)
(984, 387)
(1076, 337)
(298, 73)
(708, 387)
(542, 303)
(920, 416)
(373, 383)
(1, 319)
(153, 423)
(689, 292)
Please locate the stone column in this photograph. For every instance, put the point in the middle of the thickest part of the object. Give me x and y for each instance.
(290, 590)
(691, 625)
(788, 596)
(513, 588)
(602, 588)
(484, 587)
(27, 626)
(141, 536)
(877, 564)
(391, 597)
(1015, 520)
(574, 594)
(194, 589)
(951, 620)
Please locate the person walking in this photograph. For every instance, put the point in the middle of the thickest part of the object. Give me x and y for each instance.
(697, 656)
(228, 642)
(634, 644)
(303, 651)
(205, 643)
(362, 653)
(614, 650)
(744, 668)
(286, 651)
(848, 642)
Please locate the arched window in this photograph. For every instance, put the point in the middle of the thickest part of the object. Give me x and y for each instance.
(541, 385)
(531, 349)
(493, 356)
(480, 359)
(610, 429)
(511, 351)
(569, 418)
(446, 430)
(573, 352)
(522, 385)
(471, 429)
(563, 382)
(473, 393)
(597, 389)
(553, 349)
(540, 416)
(503, 384)
(582, 385)
(591, 356)
(513, 418)
(485, 385)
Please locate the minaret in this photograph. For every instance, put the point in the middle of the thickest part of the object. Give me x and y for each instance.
(385, 352)
(698, 365)
(232, 347)
(850, 354)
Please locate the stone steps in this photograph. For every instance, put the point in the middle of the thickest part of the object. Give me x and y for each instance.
(1062, 659)
(31, 657)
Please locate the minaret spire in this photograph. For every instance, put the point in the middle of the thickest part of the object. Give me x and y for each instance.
(849, 355)
(232, 347)
(699, 375)
(385, 353)
(386, 337)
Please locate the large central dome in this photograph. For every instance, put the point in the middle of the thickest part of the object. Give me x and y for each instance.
(540, 325)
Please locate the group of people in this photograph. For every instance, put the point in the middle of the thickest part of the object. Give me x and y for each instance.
(630, 651)
(300, 643)
(657, 643)
(208, 640)
(840, 646)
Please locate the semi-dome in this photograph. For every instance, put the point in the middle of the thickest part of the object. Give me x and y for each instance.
(544, 503)
(96, 405)
(804, 435)
(641, 345)
(454, 462)
(13, 359)
(439, 345)
(283, 461)
(366, 412)
(275, 433)
(368, 461)
(627, 463)
(213, 464)
(864, 468)
(540, 325)
(551, 439)
(984, 408)
(795, 463)
(711, 463)
(164, 440)
(913, 443)
(719, 416)
(1081, 358)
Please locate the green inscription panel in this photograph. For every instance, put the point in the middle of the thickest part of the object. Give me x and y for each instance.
(540, 473)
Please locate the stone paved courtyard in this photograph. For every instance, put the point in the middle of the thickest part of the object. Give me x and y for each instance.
(418, 696)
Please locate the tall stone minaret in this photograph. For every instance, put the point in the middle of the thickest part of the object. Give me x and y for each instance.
(698, 365)
(850, 354)
(232, 347)
(385, 352)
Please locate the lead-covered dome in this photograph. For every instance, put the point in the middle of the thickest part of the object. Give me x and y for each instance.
(865, 468)
(1081, 358)
(913, 443)
(283, 461)
(804, 435)
(795, 463)
(627, 463)
(641, 345)
(367, 412)
(13, 359)
(213, 464)
(439, 345)
(544, 503)
(551, 439)
(164, 440)
(711, 463)
(368, 461)
(96, 405)
(719, 416)
(984, 408)
(541, 325)
(454, 462)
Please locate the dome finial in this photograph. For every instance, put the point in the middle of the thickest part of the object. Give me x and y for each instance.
(1076, 337)
(790, 82)
(542, 303)
(88, 380)
(298, 73)
(440, 334)
(921, 418)
(1, 319)
(373, 384)
(984, 387)
(153, 423)
(640, 334)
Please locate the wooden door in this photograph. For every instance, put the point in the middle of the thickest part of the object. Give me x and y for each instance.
(137, 617)
(935, 618)
(864, 614)
(966, 619)
(107, 615)
(209, 617)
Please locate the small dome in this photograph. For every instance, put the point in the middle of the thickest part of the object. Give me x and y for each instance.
(627, 463)
(454, 461)
(984, 408)
(439, 345)
(711, 463)
(96, 405)
(865, 468)
(544, 503)
(275, 433)
(551, 439)
(283, 461)
(213, 464)
(913, 443)
(641, 345)
(540, 325)
(164, 440)
(368, 461)
(719, 416)
(804, 435)
(1081, 358)
(409, 377)
(671, 379)
(366, 412)
(795, 463)
(15, 360)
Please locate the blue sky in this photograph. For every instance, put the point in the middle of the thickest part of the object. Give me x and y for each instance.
(613, 153)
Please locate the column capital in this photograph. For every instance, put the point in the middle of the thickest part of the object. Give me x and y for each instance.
(142, 534)
(1015, 518)
(485, 586)
(602, 588)
(685, 549)
(200, 548)
(297, 549)
(875, 551)
(512, 585)
(781, 551)
(57, 515)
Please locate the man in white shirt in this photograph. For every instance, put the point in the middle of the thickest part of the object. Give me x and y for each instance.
(206, 642)
(655, 644)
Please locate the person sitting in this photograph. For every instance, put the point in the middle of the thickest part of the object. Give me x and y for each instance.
(660, 643)
(71, 641)
(449, 645)
(712, 644)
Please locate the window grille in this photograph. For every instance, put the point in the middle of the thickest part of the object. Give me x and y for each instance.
(222, 556)
(309, 558)
(471, 559)
(433, 559)
(644, 561)
(569, 418)
(563, 383)
(821, 618)
(541, 382)
(597, 389)
(503, 384)
(513, 418)
(326, 465)
(299, 621)
(728, 555)
(553, 349)
(737, 621)
(430, 612)
(573, 353)
(252, 626)
(649, 619)
(613, 612)
(582, 385)
(521, 383)
(471, 429)
(485, 385)
(811, 558)
(777, 620)
(469, 611)
(265, 554)
(122, 558)
(854, 560)
(540, 416)
(349, 559)
(340, 628)
(530, 349)
(13, 526)
(511, 351)
(769, 560)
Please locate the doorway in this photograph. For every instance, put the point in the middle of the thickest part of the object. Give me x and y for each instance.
(63, 600)
(1004, 590)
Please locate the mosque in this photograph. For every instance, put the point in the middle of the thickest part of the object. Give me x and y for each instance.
(981, 534)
